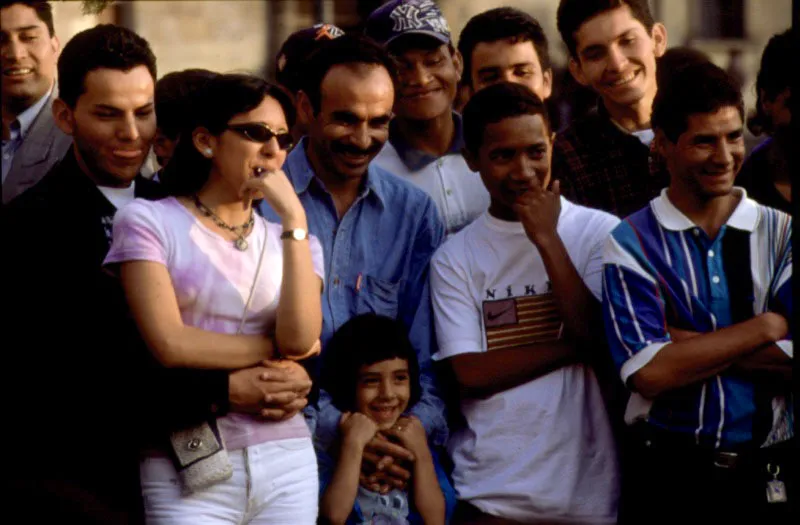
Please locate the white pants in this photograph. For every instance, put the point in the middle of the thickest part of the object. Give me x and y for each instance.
(283, 488)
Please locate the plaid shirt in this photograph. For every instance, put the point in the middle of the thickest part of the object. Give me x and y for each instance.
(601, 166)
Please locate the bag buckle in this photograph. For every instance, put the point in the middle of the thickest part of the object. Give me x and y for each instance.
(725, 460)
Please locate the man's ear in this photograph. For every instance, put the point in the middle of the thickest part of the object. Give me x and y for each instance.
(472, 161)
(163, 146)
(458, 62)
(547, 83)
(56, 43)
(577, 72)
(304, 107)
(64, 117)
(659, 36)
(662, 143)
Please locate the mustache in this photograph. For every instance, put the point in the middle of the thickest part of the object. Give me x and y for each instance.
(338, 147)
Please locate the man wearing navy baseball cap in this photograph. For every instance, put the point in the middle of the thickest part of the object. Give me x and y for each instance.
(425, 139)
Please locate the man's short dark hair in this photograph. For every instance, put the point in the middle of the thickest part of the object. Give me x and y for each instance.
(695, 89)
(572, 14)
(44, 11)
(347, 49)
(774, 76)
(176, 95)
(104, 46)
(365, 340)
(502, 23)
(495, 103)
(675, 59)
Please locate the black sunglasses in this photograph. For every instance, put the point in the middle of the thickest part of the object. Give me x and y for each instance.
(259, 132)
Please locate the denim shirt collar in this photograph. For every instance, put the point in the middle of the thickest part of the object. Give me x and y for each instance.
(415, 159)
(301, 174)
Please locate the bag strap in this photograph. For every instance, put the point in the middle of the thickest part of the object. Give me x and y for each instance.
(255, 278)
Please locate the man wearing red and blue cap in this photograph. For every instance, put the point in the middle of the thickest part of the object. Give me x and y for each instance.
(425, 139)
(291, 58)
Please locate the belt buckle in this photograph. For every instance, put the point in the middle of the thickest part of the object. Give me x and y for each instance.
(725, 460)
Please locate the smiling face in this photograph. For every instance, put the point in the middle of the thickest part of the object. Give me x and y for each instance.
(704, 161)
(237, 158)
(113, 123)
(616, 57)
(510, 61)
(28, 54)
(429, 75)
(352, 124)
(513, 151)
(383, 390)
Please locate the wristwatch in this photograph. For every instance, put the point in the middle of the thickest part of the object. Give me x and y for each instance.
(297, 234)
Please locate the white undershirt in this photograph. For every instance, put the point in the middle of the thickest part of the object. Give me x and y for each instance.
(119, 197)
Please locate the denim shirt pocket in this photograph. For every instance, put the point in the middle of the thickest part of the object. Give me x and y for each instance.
(378, 296)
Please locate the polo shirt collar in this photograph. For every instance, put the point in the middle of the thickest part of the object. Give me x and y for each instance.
(415, 159)
(744, 217)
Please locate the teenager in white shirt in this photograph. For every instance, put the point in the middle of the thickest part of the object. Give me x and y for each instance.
(516, 304)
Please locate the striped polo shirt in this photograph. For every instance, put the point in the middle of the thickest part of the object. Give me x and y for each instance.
(661, 269)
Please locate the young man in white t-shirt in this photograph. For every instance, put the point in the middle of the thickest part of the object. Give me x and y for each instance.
(516, 303)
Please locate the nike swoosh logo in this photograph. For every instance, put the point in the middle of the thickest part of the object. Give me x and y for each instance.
(492, 316)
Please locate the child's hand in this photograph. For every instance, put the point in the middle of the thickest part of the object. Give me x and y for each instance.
(357, 429)
(410, 432)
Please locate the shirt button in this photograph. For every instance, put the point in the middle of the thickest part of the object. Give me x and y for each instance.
(194, 444)
(336, 281)
(711, 253)
(696, 232)
(440, 162)
(715, 279)
(449, 191)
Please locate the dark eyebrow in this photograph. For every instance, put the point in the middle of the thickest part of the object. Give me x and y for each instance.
(106, 107)
(345, 115)
(596, 48)
(383, 119)
(25, 28)
(488, 69)
(149, 105)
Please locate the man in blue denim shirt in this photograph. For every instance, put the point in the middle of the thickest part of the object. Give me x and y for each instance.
(378, 232)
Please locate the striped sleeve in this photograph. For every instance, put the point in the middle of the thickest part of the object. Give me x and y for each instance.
(633, 308)
(781, 293)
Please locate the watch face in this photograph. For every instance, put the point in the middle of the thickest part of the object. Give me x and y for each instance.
(297, 234)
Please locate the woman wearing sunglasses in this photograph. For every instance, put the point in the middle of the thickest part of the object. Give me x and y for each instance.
(212, 285)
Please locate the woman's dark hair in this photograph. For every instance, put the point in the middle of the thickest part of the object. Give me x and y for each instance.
(694, 89)
(501, 23)
(365, 340)
(773, 78)
(104, 46)
(222, 97)
(495, 103)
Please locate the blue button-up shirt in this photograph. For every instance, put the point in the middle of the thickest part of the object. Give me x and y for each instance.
(662, 270)
(376, 260)
(17, 131)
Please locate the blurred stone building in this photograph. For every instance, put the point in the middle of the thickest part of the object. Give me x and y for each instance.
(244, 35)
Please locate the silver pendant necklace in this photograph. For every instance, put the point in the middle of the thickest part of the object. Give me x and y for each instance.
(240, 242)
